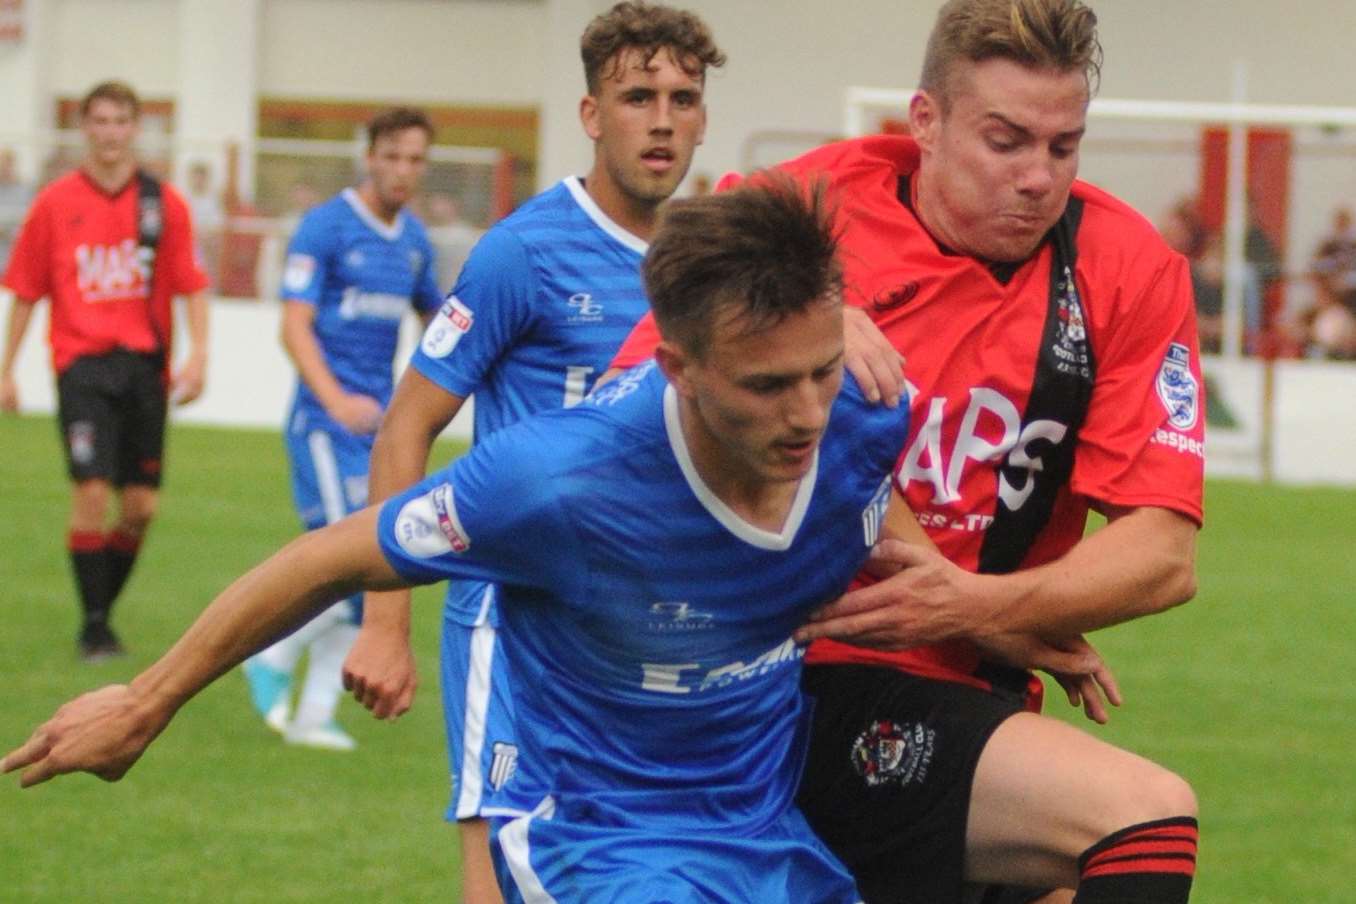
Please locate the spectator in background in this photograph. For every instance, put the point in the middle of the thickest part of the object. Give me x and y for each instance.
(209, 215)
(1326, 328)
(14, 198)
(1184, 232)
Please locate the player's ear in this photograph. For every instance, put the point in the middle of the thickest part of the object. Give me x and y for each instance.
(588, 116)
(675, 362)
(924, 116)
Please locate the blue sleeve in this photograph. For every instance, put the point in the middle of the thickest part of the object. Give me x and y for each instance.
(492, 515)
(308, 258)
(881, 432)
(489, 310)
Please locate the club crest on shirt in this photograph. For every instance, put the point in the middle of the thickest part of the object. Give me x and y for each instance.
(1177, 387)
(428, 526)
(890, 752)
(453, 321)
(416, 261)
(298, 272)
(1071, 333)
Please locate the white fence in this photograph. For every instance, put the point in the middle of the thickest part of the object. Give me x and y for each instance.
(1304, 434)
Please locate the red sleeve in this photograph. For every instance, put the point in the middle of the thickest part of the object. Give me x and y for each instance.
(638, 346)
(178, 257)
(1143, 443)
(29, 273)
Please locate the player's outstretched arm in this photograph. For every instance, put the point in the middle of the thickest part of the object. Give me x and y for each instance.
(1141, 562)
(380, 670)
(105, 732)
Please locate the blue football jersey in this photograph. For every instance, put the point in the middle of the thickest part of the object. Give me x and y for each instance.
(648, 629)
(362, 275)
(542, 304)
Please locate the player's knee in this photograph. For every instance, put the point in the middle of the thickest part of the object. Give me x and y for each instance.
(137, 512)
(89, 504)
(1153, 794)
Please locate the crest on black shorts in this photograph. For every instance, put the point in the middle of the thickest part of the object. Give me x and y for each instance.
(81, 438)
(893, 753)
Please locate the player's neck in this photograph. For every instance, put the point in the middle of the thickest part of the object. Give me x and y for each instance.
(110, 177)
(758, 501)
(367, 193)
(635, 216)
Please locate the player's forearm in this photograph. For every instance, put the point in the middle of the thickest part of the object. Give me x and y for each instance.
(196, 309)
(1141, 562)
(298, 339)
(16, 326)
(278, 595)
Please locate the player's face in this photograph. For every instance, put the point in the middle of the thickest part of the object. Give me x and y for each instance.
(763, 398)
(999, 163)
(395, 166)
(110, 128)
(646, 122)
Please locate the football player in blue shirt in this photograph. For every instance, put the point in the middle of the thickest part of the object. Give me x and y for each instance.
(356, 265)
(655, 547)
(540, 307)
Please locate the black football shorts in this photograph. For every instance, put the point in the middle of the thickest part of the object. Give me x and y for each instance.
(887, 781)
(111, 409)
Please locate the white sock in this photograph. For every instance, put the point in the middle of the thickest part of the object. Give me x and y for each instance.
(324, 675)
(284, 655)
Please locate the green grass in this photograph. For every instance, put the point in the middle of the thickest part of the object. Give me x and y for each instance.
(1247, 692)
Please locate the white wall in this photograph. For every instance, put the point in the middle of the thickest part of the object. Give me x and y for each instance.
(452, 51)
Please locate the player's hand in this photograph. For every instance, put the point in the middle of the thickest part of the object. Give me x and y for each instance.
(358, 414)
(1073, 662)
(9, 395)
(103, 733)
(380, 672)
(187, 383)
(923, 598)
(871, 359)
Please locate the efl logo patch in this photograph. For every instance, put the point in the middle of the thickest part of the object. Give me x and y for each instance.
(427, 525)
(1178, 389)
(298, 272)
(453, 321)
(587, 310)
(893, 753)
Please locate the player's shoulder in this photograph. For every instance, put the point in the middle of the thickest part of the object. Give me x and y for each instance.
(1111, 227)
(843, 160)
(66, 188)
(853, 413)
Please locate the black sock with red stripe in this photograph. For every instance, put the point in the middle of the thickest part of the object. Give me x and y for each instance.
(1150, 863)
(90, 563)
(121, 550)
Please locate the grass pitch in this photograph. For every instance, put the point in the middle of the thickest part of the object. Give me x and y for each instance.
(1247, 691)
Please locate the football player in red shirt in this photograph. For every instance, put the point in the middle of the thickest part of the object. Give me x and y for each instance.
(1053, 368)
(110, 247)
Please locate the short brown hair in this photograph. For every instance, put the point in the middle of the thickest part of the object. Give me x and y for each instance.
(397, 119)
(650, 29)
(765, 250)
(1041, 34)
(118, 92)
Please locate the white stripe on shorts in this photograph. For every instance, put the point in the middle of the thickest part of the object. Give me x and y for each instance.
(471, 786)
(326, 475)
(513, 842)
